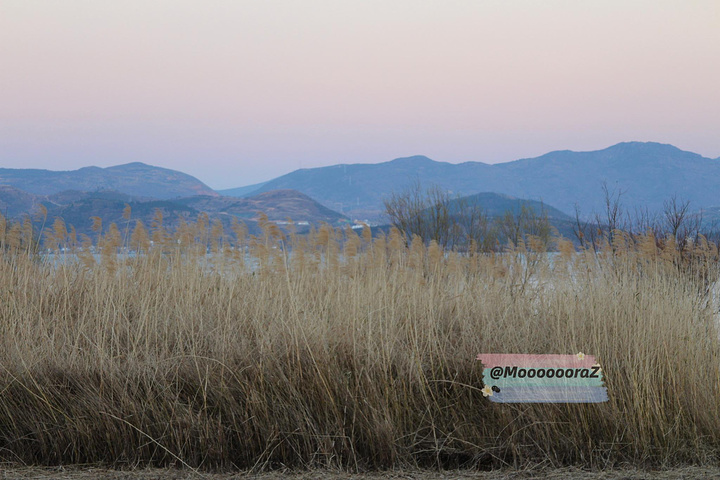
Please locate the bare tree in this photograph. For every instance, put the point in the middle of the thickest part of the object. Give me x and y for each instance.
(434, 214)
(613, 213)
(580, 227)
(461, 223)
(425, 213)
(675, 214)
(682, 225)
(645, 221)
(477, 226)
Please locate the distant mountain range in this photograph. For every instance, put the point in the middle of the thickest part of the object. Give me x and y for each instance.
(647, 174)
(137, 179)
(77, 195)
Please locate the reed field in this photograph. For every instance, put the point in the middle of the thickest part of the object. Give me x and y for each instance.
(346, 351)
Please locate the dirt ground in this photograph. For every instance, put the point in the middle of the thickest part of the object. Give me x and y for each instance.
(86, 473)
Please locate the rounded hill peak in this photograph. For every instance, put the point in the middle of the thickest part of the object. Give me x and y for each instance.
(645, 147)
(414, 160)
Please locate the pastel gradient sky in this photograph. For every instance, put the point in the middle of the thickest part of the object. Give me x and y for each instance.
(237, 92)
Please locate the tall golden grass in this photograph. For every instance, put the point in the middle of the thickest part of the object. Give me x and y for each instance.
(341, 350)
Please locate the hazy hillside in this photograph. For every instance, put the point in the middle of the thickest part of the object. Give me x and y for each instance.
(647, 173)
(136, 179)
(277, 205)
(241, 191)
(76, 208)
(359, 189)
(495, 204)
(79, 213)
(14, 202)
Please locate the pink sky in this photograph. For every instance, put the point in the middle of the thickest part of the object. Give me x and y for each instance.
(236, 92)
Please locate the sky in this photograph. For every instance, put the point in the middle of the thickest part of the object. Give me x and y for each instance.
(237, 92)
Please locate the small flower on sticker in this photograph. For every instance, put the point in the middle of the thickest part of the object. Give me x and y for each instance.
(581, 356)
(487, 391)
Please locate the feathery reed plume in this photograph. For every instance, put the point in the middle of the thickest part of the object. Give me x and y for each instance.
(378, 252)
(140, 239)
(434, 255)
(366, 234)
(159, 236)
(566, 249)
(127, 213)
(28, 235)
(647, 244)
(85, 242)
(96, 224)
(14, 237)
(536, 244)
(240, 230)
(73, 239)
(396, 244)
(3, 231)
(217, 236)
(352, 242)
(262, 220)
(333, 249)
(417, 253)
(56, 238)
(202, 231)
(111, 241)
(323, 237)
(41, 215)
(184, 236)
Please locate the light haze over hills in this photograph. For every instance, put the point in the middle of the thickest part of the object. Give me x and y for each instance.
(137, 179)
(647, 174)
(77, 208)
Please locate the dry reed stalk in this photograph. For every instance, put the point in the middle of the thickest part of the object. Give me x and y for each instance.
(361, 360)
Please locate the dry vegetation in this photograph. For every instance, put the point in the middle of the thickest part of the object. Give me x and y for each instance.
(344, 351)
